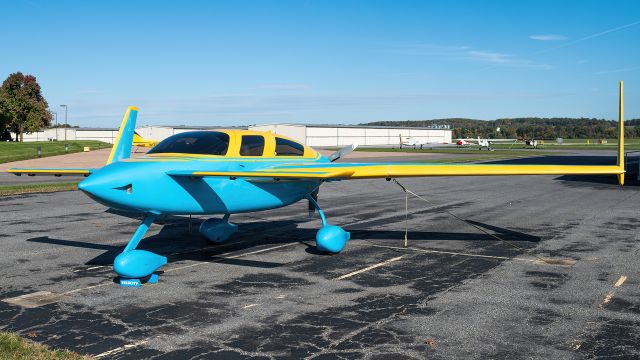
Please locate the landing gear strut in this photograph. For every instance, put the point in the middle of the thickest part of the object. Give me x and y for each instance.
(134, 266)
(330, 238)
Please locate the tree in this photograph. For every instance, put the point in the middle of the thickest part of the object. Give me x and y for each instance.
(22, 105)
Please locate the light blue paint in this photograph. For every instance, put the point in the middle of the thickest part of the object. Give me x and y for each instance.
(137, 264)
(123, 147)
(152, 189)
(140, 231)
(217, 230)
(162, 186)
(315, 204)
(332, 239)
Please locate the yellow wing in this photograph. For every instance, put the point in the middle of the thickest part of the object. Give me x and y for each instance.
(50, 171)
(140, 141)
(343, 171)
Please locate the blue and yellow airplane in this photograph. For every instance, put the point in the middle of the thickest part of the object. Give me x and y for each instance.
(235, 171)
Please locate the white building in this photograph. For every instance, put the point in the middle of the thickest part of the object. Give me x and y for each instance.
(340, 135)
(311, 135)
(101, 134)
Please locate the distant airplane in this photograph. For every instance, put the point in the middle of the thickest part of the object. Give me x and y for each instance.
(236, 171)
(409, 141)
(140, 141)
(483, 143)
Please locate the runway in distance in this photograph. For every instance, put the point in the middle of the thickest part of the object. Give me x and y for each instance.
(484, 143)
(224, 172)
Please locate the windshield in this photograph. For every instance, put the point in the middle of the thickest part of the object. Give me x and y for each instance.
(194, 142)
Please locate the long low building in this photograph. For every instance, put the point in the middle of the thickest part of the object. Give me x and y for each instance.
(107, 135)
(339, 135)
(311, 135)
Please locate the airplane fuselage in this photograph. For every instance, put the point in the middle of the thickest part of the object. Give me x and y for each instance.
(143, 185)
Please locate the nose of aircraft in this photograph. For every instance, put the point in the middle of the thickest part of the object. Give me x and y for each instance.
(108, 187)
(88, 185)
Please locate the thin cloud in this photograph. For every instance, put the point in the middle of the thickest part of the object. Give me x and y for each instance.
(431, 49)
(548, 37)
(492, 57)
(470, 54)
(588, 37)
(500, 59)
(618, 70)
(284, 86)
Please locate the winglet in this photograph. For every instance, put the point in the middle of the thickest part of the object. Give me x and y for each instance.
(122, 146)
(621, 135)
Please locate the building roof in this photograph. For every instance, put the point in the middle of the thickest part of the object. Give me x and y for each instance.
(197, 127)
(358, 126)
(92, 129)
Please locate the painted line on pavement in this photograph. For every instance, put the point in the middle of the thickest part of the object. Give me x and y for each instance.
(219, 259)
(121, 349)
(612, 293)
(346, 276)
(452, 253)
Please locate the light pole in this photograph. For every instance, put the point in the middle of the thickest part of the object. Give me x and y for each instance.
(65, 122)
(55, 114)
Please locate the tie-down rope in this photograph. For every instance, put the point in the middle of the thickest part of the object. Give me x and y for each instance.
(406, 223)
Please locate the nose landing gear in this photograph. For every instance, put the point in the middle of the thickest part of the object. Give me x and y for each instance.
(136, 267)
(330, 238)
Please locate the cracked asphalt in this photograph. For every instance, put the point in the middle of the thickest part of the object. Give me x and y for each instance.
(454, 292)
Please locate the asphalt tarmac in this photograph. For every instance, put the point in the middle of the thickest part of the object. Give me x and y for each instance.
(562, 282)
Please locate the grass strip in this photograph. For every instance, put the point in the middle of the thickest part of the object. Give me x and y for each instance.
(517, 153)
(37, 188)
(14, 347)
(16, 151)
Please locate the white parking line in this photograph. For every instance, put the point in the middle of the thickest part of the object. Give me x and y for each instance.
(121, 349)
(218, 259)
(451, 253)
(620, 281)
(612, 293)
(346, 276)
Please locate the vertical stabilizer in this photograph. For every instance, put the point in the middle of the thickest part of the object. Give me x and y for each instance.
(122, 145)
(621, 134)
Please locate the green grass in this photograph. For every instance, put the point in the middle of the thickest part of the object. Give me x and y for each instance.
(16, 348)
(465, 151)
(37, 188)
(15, 151)
(471, 159)
(577, 144)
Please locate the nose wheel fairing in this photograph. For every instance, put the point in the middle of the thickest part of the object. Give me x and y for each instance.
(135, 267)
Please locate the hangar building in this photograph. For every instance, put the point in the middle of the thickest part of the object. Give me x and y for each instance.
(311, 135)
(339, 135)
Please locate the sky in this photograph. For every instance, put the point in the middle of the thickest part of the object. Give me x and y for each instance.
(253, 62)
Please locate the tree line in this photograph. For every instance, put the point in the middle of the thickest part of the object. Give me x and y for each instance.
(23, 108)
(527, 128)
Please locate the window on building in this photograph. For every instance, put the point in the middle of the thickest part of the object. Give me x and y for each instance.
(286, 147)
(194, 142)
(252, 145)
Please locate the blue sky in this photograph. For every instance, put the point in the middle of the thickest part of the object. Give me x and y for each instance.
(247, 62)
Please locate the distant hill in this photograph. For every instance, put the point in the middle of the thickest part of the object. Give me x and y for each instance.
(542, 128)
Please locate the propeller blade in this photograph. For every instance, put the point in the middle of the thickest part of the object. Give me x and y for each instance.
(342, 152)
